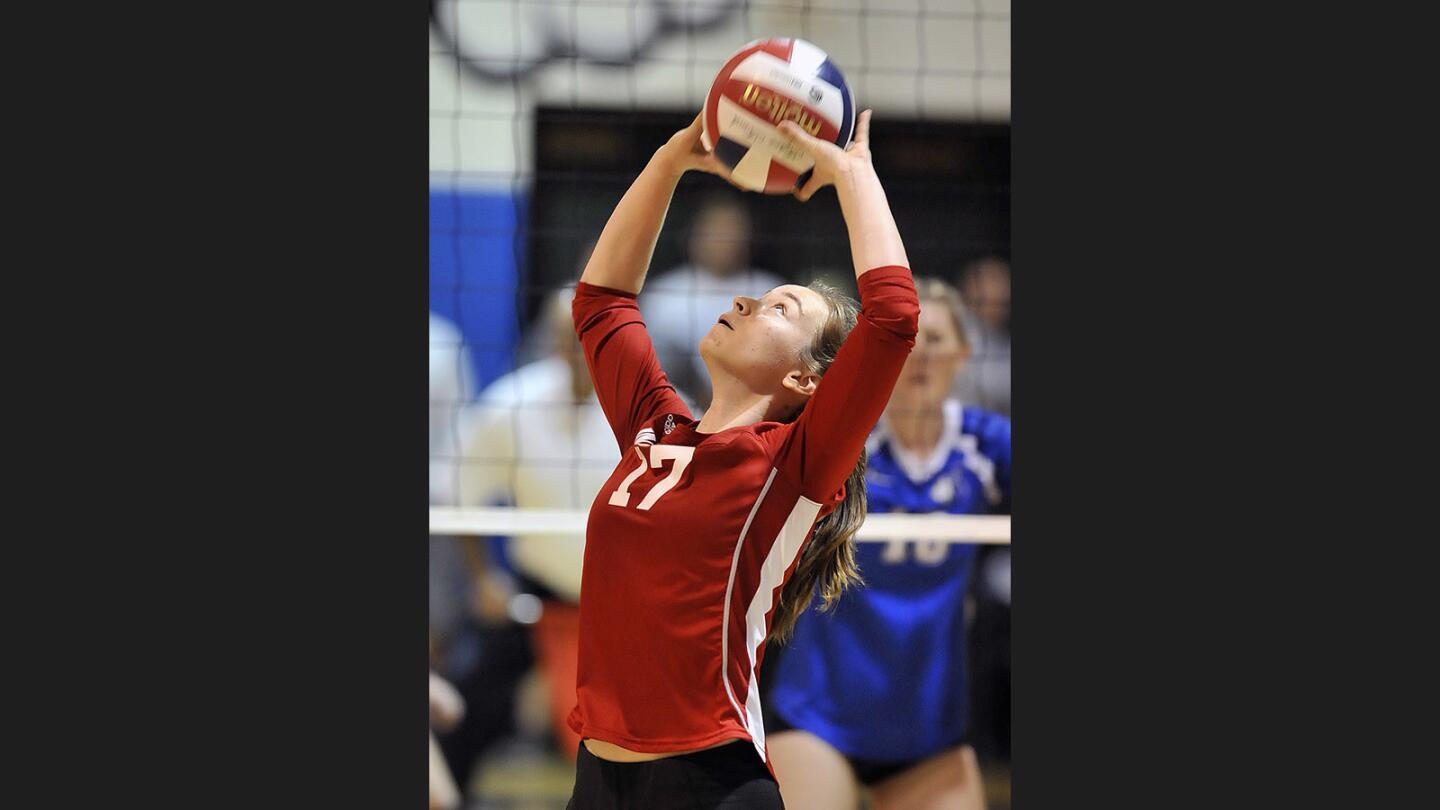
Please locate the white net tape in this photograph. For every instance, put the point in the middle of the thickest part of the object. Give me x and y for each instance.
(877, 528)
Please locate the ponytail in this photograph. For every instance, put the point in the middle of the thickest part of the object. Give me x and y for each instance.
(827, 565)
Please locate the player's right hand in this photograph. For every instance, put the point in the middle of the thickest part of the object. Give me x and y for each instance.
(686, 152)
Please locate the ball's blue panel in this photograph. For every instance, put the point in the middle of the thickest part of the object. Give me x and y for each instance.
(730, 152)
(831, 74)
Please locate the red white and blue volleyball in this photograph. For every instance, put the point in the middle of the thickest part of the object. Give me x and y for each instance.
(761, 85)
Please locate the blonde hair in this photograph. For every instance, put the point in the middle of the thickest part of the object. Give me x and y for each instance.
(933, 289)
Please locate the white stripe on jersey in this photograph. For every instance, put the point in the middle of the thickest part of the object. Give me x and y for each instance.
(952, 438)
(730, 586)
(983, 467)
(782, 554)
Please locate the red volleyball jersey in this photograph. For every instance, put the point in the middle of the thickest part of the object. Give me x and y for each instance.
(693, 536)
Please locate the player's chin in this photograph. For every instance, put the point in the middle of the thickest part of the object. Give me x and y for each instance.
(719, 355)
(717, 334)
(710, 344)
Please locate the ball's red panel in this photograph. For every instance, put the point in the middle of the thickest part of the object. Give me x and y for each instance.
(780, 180)
(735, 90)
(781, 48)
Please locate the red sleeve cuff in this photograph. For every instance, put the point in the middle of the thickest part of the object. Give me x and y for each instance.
(876, 275)
(888, 300)
(582, 288)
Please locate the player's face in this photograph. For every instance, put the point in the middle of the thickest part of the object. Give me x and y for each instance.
(938, 356)
(760, 340)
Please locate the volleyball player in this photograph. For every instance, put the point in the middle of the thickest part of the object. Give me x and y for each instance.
(712, 534)
(874, 693)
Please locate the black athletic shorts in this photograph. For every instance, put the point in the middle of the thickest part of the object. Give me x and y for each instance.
(730, 777)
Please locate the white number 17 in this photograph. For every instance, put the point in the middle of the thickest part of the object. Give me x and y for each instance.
(679, 454)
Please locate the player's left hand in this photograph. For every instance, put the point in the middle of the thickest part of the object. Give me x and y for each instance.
(830, 160)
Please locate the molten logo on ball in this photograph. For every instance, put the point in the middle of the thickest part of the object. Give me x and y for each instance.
(761, 86)
(778, 108)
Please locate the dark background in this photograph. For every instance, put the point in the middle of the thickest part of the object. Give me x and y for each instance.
(209, 618)
(948, 185)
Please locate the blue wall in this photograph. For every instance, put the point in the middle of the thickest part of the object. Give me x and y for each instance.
(477, 262)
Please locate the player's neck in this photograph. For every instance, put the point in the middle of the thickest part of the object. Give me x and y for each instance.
(734, 411)
(735, 404)
(916, 429)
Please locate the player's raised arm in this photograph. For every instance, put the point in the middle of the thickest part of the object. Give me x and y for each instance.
(874, 239)
(622, 254)
(631, 386)
(848, 401)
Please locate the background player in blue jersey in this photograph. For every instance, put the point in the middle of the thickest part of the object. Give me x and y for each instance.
(874, 693)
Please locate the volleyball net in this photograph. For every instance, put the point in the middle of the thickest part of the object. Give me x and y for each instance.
(541, 113)
(877, 528)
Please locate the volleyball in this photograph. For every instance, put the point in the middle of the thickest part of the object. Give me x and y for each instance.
(762, 84)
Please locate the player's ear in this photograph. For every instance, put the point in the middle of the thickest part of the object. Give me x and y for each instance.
(802, 382)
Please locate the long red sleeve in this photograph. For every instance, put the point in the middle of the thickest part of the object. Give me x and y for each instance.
(631, 386)
(822, 448)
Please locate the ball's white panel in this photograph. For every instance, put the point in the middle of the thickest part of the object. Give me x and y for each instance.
(752, 170)
(739, 125)
(806, 57)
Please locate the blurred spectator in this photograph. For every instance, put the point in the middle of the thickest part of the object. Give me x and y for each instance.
(537, 438)
(446, 709)
(985, 288)
(446, 705)
(451, 384)
(990, 645)
(450, 390)
(681, 305)
(473, 643)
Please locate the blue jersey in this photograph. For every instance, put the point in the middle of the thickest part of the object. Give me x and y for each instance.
(883, 676)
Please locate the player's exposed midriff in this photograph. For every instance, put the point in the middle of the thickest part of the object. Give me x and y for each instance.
(614, 753)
